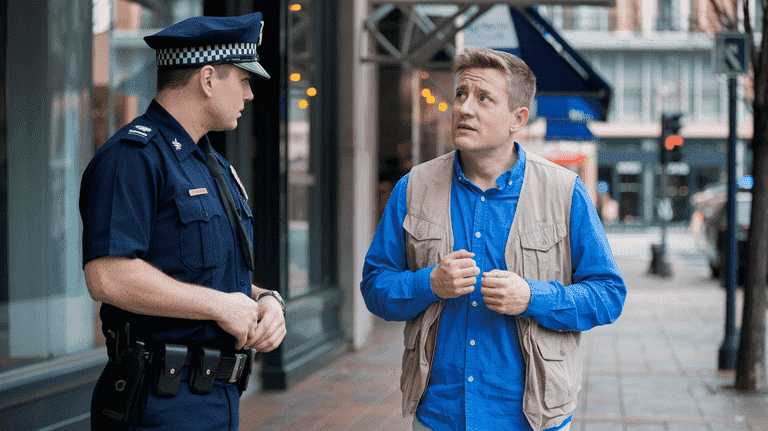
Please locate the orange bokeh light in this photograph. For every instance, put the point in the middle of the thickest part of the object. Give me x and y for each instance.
(295, 77)
(443, 106)
(431, 99)
(303, 104)
(426, 93)
(311, 91)
(295, 7)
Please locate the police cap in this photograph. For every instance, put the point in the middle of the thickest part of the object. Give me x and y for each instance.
(210, 40)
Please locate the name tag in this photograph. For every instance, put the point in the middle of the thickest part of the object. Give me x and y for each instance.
(196, 192)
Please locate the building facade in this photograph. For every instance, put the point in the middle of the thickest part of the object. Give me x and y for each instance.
(657, 56)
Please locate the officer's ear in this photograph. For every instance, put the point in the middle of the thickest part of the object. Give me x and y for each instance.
(206, 77)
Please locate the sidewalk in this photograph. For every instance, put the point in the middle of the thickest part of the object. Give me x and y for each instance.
(654, 369)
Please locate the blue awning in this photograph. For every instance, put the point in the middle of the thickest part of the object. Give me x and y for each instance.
(569, 92)
(567, 131)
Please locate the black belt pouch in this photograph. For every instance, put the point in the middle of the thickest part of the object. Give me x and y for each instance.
(126, 384)
(204, 370)
(172, 359)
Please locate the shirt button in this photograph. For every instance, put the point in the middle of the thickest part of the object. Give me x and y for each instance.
(482, 198)
(472, 342)
(205, 213)
(474, 303)
(242, 282)
(510, 183)
(471, 379)
(477, 234)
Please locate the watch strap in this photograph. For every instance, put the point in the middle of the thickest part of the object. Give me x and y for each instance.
(273, 294)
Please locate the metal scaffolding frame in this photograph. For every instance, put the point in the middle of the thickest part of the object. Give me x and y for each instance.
(424, 36)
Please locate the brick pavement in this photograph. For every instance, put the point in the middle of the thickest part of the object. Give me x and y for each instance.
(654, 369)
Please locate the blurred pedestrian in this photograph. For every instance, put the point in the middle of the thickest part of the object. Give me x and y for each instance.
(496, 259)
(609, 209)
(167, 242)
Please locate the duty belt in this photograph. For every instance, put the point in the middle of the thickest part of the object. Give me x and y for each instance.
(229, 369)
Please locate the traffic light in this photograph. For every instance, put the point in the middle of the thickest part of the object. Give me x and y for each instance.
(670, 143)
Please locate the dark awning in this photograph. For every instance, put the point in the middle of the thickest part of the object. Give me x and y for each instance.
(559, 69)
(569, 92)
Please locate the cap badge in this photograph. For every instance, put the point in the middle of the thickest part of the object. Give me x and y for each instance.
(176, 144)
(143, 128)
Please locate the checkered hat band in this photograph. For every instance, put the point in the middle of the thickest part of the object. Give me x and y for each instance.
(205, 54)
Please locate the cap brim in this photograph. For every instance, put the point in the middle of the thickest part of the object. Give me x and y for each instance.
(253, 67)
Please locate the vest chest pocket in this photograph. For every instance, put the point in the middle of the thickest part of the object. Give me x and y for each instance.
(543, 251)
(199, 230)
(424, 242)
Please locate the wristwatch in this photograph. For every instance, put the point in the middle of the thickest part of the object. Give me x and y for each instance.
(274, 294)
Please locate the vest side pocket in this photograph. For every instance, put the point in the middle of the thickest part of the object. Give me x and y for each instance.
(409, 376)
(558, 362)
(424, 242)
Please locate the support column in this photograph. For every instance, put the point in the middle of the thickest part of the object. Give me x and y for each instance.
(357, 128)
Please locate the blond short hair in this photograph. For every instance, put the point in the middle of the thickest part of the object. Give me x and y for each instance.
(519, 76)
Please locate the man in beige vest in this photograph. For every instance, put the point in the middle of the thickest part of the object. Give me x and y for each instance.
(496, 260)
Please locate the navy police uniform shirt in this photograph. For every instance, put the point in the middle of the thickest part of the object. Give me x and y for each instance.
(148, 194)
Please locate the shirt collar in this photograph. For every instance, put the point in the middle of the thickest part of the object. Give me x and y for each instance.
(508, 182)
(177, 138)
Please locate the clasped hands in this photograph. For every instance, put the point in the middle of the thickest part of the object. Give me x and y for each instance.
(259, 326)
(503, 291)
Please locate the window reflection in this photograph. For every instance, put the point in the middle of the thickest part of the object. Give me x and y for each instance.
(301, 179)
(3, 202)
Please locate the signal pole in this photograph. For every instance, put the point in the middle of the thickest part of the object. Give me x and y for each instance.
(669, 143)
(731, 57)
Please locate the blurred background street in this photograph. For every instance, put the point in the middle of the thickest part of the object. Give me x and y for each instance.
(654, 369)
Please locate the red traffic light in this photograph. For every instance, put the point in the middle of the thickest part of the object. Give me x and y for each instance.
(673, 141)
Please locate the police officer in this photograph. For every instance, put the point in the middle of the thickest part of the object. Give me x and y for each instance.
(166, 242)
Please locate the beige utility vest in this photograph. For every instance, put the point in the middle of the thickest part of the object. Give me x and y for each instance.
(538, 248)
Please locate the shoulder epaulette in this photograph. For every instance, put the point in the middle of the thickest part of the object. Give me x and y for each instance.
(139, 131)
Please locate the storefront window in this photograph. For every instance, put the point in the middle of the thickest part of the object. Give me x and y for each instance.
(4, 360)
(45, 309)
(301, 173)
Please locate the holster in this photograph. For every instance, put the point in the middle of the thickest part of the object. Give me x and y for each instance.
(169, 361)
(125, 382)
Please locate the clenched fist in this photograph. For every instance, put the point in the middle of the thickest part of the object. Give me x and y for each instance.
(455, 275)
(505, 292)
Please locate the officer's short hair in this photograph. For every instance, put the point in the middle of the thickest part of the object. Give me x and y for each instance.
(169, 78)
(521, 80)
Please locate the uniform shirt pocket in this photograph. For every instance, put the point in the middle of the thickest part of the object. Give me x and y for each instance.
(199, 240)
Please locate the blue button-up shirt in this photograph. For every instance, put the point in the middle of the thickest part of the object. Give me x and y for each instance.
(148, 194)
(478, 373)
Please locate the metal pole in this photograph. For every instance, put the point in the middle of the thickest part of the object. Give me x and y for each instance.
(729, 348)
(415, 117)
